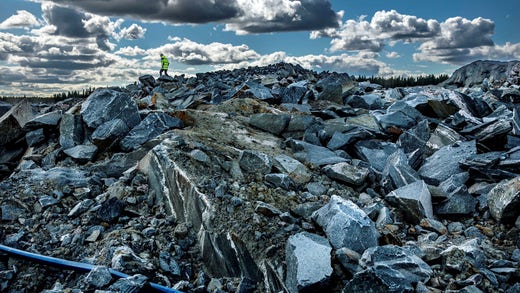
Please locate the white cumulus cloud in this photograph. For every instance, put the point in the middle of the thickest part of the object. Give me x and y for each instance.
(22, 19)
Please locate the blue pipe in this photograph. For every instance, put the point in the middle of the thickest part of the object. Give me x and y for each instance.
(72, 265)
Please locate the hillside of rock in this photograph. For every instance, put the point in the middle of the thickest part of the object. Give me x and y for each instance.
(265, 179)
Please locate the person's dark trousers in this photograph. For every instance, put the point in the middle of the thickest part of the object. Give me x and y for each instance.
(165, 72)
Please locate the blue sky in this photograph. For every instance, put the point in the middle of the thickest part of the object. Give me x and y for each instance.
(53, 46)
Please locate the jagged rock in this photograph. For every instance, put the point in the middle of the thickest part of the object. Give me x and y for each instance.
(399, 116)
(341, 140)
(273, 123)
(98, 277)
(347, 173)
(308, 262)
(125, 260)
(445, 162)
(105, 105)
(109, 133)
(44, 120)
(346, 225)
(253, 161)
(267, 209)
(487, 131)
(151, 126)
(465, 257)
(259, 91)
(147, 80)
(504, 200)
(334, 87)
(296, 170)
(129, 284)
(375, 152)
(442, 136)
(71, 131)
(415, 138)
(349, 259)
(369, 102)
(413, 200)
(111, 209)
(313, 154)
(82, 152)
(389, 267)
(293, 93)
(476, 72)
(398, 172)
(166, 78)
(12, 122)
(34, 137)
(280, 180)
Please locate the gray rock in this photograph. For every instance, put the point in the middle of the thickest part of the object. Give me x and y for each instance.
(476, 72)
(399, 116)
(347, 173)
(98, 277)
(151, 126)
(82, 153)
(397, 171)
(349, 259)
(105, 105)
(313, 154)
(413, 200)
(147, 80)
(259, 91)
(44, 120)
(4, 108)
(71, 131)
(132, 284)
(460, 204)
(111, 209)
(504, 200)
(125, 260)
(442, 136)
(254, 161)
(516, 122)
(267, 209)
(445, 162)
(272, 123)
(375, 152)
(34, 137)
(12, 122)
(308, 262)
(200, 156)
(488, 130)
(369, 102)
(280, 180)
(415, 138)
(109, 133)
(346, 225)
(296, 170)
(10, 212)
(396, 267)
(334, 87)
(341, 140)
(465, 257)
(293, 93)
(169, 265)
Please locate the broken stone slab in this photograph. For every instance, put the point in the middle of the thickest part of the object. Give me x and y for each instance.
(47, 120)
(347, 173)
(488, 130)
(313, 154)
(397, 171)
(34, 137)
(98, 277)
(255, 161)
(293, 93)
(292, 167)
(445, 162)
(147, 80)
(272, 123)
(504, 200)
(415, 138)
(72, 132)
(334, 87)
(458, 204)
(308, 262)
(279, 180)
(82, 153)
(442, 136)
(299, 124)
(109, 133)
(413, 200)
(340, 140)
(369, 102)
(259, 91)
(151, 126)
(346, 225)
(104, 105)
(399, 116)
(465, 257)
(13, 122)
(391, 268)
(375, 152)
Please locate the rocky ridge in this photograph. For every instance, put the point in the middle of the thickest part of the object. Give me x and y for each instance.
(267, 179)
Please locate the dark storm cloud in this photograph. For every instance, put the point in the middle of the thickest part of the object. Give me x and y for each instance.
(240, 16)
(68, 22)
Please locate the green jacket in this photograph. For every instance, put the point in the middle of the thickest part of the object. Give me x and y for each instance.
(164, 62)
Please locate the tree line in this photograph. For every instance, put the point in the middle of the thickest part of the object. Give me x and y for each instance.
(73, 94)
(404, 81)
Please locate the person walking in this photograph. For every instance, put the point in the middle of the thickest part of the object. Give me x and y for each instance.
(164, 65)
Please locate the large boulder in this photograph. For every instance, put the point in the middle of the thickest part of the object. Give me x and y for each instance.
(389, 268)
(105, 105)
(13, 122)
(504, 200)
(475, 73)
(308, 262)
(346, 225)
(413, 200)
(151, 126)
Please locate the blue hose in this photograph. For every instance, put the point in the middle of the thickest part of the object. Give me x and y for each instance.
(72, 265)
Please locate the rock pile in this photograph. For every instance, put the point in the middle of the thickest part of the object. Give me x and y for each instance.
(266, 179)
